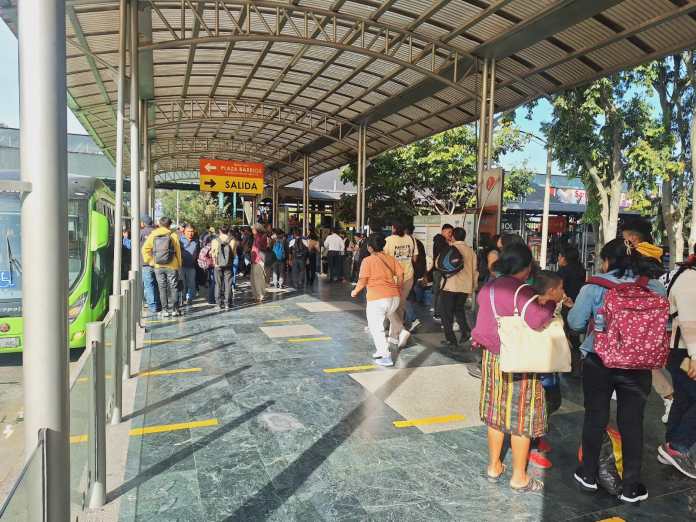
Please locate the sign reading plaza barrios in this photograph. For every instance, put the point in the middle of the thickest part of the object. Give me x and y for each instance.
(231, 176)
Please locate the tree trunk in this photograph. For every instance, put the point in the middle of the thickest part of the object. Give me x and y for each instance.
(668, 219)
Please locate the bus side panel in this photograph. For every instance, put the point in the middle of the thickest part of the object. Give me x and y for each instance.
(12, 340)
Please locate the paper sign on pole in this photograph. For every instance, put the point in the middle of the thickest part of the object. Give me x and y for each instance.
(231, 176)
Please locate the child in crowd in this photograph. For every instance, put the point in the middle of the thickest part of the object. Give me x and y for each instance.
(549, 287)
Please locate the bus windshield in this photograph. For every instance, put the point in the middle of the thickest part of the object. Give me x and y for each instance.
(11, 249)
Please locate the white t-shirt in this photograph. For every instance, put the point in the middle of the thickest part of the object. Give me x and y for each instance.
(334, 243)
(403, 248)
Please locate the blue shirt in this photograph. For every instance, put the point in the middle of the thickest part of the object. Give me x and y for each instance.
(591, 298)
(189, 252)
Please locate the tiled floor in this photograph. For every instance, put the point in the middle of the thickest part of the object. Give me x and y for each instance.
(293, 442)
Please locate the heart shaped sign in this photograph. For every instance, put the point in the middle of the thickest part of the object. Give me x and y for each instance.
(490, 183)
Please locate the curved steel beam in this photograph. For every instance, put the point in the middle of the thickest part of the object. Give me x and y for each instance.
(314, 27)
(190, 160)
(174, 147)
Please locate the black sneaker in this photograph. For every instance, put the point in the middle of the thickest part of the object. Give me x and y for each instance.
(636, 493)
(584, 483)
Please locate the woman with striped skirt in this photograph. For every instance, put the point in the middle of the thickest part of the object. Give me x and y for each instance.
(511, 403)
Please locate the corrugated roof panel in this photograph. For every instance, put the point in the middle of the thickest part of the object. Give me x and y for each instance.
(667, 37)
(490, 27)
(630, 13)
(524, 9)
(614, 54)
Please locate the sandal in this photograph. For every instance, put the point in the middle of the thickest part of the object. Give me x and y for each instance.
(533, 486)
(493, 479)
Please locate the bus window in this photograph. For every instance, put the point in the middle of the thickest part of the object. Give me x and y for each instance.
(77, 239)
(10, 256)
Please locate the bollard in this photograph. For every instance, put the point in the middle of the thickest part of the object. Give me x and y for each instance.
(126, 319)
(115, 306)
(97, 414)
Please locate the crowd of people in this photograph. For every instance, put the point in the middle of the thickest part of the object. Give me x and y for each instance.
(504, 279)
(471, 295)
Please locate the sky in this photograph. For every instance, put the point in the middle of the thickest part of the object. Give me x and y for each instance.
(533, 155)
(9, 87)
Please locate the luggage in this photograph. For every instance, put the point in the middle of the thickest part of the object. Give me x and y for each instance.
(224, 254)
(450, 262)
(163, 249)
(634, 335)
(525, 350)
(279, 250)
(205, 261)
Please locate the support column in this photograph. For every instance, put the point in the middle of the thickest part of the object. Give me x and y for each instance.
(305, 195)
(362, 168)
(491, 112)
(274, 199)
(145, 166)
(547, 203)
(44, 228)
(482, 134)
(134, 106)
(120, 118)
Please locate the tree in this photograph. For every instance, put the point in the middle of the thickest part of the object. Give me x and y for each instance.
(671, 78)
(594, 130)
(199, 209)
(435, 175)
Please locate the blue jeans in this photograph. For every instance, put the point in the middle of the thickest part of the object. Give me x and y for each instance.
(235, 271)
(211, 286)
(150, 291)
(189, 283)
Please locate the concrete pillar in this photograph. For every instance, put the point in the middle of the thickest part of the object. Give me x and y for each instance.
(305, 195)
(134, 113)
(274, 199)
(120, 117)
(44, 229)
(482, 134)
(491, 111)
(145, 166)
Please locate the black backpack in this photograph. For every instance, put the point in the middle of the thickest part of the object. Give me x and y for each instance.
(163, 249)
(450, 262)
(299, 248)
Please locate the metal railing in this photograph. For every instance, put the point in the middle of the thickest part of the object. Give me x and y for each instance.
(96, 389)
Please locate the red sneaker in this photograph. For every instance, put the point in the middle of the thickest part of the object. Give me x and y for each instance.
(543, 445)
(539, 460)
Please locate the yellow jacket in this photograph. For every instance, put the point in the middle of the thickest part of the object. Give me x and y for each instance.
(148, 258)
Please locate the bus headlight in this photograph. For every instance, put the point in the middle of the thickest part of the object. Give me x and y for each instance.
(75, 308)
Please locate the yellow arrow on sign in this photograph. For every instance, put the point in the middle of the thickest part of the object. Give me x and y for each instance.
(240, 184)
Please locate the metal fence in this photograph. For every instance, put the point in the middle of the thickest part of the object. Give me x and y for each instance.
(95, 400)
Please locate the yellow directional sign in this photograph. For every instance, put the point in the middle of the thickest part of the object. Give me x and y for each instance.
(242, 185)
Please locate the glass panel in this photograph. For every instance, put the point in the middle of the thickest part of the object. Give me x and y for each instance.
(10, 256)
(79, 436)
(109, 346)
(28, 488)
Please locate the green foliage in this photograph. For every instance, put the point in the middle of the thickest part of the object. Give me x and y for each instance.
(434, 175)
(601, 133)
(199, 209)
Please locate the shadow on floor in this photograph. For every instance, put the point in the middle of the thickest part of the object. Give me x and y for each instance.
(184, 453)
(184, 393)
(269, 498)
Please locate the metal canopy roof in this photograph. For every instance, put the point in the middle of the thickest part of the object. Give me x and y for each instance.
(270, 81)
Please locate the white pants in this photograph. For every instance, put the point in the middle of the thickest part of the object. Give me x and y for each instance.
(377, 311)
(395, 328)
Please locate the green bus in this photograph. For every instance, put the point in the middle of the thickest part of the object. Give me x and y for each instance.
(90, 233)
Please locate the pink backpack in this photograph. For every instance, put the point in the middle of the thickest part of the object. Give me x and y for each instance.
(205, 261)
(635, 335)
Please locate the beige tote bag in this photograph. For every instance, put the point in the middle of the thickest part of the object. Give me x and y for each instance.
(525, 350)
